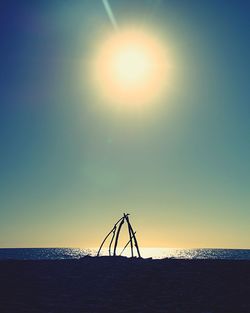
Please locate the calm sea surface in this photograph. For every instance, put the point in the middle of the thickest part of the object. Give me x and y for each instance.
(156, 253)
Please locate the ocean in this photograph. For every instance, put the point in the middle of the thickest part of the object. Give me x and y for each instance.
(155, 253)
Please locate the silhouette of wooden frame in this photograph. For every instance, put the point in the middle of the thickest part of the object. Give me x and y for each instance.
(115, 232)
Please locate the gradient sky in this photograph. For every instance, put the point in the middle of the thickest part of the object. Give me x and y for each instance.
(71, 165)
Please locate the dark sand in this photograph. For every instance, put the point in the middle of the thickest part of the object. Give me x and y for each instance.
(125, 285)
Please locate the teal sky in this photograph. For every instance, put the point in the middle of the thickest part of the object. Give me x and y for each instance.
(70, 164)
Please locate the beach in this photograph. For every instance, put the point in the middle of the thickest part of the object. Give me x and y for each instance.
(119, 284)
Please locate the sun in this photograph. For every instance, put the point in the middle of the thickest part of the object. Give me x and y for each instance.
(130, 68)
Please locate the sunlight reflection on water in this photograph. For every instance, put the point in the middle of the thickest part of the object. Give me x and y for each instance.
(156, 253)
(160, 253)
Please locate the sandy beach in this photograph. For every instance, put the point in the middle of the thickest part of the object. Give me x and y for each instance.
(118, 284)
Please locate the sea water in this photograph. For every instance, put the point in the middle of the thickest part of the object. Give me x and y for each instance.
(156, 253)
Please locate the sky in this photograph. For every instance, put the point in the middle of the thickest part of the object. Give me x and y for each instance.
(71, 163)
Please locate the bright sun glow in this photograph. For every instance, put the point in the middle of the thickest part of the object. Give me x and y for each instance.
(131, 68)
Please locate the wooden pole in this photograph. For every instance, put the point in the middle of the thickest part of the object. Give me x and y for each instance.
(131, 235)
(111, 241)
(117, 235)
(126, 246)
(134, 237)
(98, 253)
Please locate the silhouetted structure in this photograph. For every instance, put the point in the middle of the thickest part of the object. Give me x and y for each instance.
(115, 232)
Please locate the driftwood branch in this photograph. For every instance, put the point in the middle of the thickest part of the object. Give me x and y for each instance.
(131, 235)
(126, 245)
(134, 237)
(111, 241)
(117, 235)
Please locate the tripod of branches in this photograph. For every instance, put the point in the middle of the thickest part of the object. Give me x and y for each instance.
(114, 237)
